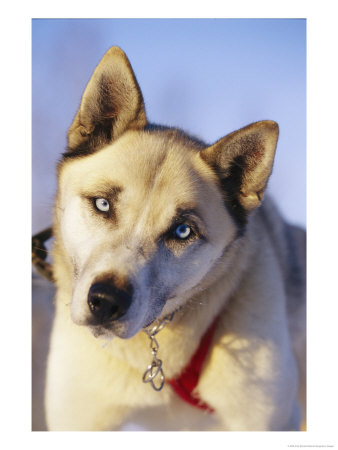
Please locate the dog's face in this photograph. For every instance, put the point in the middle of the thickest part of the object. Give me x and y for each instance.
(145, 213)
(138, 216)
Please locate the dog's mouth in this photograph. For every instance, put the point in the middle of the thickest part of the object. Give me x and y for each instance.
(116, 330)
(127, 327)
(124, 330)
(109, 331)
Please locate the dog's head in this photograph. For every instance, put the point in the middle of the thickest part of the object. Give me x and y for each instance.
(144, 212)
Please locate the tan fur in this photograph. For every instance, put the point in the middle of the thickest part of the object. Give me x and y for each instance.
(251, 375)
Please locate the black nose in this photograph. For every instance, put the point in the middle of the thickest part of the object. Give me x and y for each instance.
(107, 303)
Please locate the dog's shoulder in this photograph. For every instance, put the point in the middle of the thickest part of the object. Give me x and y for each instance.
(289, 244)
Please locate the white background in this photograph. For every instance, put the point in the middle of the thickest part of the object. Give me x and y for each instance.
(16, 230)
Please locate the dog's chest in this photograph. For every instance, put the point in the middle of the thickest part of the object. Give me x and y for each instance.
(176, 415)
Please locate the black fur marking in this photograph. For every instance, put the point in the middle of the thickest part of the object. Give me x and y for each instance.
(230, 184)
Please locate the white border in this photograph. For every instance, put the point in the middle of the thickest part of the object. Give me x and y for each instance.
(16, 202)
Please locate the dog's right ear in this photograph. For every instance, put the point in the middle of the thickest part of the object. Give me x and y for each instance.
(112, 103)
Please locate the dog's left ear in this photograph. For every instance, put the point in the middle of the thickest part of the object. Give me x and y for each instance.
(243, 161)
(111, 104)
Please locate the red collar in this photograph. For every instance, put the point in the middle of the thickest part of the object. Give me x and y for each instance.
(185, 383)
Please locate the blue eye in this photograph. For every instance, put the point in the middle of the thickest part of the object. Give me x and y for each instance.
(183, 231)
(102, 204)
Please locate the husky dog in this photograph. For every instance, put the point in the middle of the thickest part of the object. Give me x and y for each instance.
(152, 223)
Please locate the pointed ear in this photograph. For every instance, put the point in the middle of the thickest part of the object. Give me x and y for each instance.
(112, 103)
(243, 161)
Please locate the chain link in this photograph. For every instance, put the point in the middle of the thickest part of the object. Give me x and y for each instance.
(154, 373)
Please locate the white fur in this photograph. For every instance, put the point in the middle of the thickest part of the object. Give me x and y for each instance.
(250, 378)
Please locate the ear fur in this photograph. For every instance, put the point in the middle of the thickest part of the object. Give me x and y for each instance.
(112, 103)
(243, 161)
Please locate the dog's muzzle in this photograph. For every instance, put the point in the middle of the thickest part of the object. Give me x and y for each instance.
(107, 303)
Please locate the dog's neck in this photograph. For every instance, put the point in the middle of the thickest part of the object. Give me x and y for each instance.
(179, 340)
